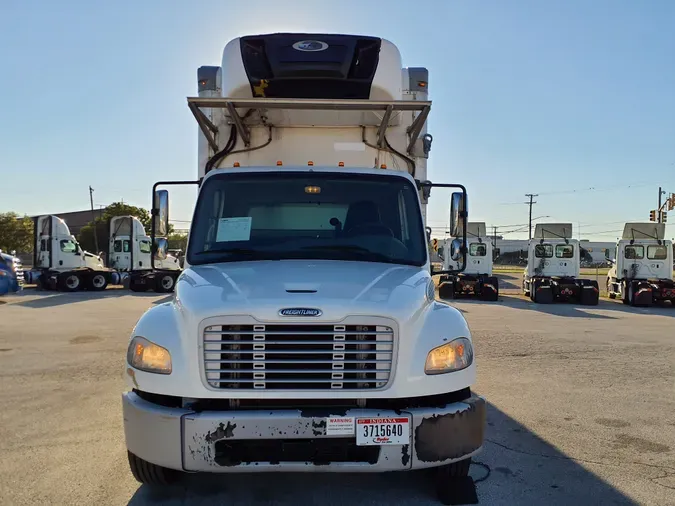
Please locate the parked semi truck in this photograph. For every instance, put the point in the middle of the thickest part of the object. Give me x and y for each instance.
(642, 272)
(476, 279)
(553, 268)
(129, 252)
(60, 263)
(304, 335)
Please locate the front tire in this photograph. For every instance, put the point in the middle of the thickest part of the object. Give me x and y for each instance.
(444, 477)
(164, 283)
(151, 474)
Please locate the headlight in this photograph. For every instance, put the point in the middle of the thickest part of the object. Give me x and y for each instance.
(453, 356)
(149, 357)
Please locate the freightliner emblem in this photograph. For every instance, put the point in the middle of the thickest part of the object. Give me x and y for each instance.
(310, 45)
(300, 311)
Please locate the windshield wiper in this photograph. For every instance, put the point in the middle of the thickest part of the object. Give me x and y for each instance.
(234, 251)
(349, 248)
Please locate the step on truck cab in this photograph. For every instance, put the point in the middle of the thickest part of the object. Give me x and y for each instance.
(553, 268)
(129, 252)
(304, 334)
(59, 262)
(642, 272)
(476, 279)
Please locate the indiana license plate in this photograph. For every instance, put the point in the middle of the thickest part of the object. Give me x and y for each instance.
(382, 431)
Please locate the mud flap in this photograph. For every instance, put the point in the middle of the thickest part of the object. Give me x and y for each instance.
(543, 294)
(642, 294)
(590, 294)
(446, 290)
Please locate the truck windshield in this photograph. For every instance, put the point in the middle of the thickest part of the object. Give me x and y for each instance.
(301, 215)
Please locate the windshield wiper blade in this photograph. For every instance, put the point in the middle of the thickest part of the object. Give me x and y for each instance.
(340, 247)
(350, 248)
(234, 251)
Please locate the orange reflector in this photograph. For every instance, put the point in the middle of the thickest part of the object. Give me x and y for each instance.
(383, 166)
(341, 164)
(235, 164)
(279, 163)
(312, 189)
(422, 84)
(310, 163)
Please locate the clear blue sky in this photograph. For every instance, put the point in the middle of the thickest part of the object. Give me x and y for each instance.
(529, 97)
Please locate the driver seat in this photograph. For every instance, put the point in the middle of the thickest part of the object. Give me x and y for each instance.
(360, 214)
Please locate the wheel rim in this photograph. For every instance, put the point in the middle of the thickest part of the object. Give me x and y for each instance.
(72, 282)
(98, 281)
(167, 282)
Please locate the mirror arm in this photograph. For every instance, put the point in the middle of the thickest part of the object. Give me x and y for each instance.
(154, 211)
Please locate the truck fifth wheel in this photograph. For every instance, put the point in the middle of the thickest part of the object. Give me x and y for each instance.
(304, 335)
(553, 268)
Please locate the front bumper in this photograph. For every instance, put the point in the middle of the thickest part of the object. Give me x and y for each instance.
(185, 440)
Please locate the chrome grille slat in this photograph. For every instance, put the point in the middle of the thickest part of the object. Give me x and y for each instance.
(289, 333)
(288, 356)
(256, 341)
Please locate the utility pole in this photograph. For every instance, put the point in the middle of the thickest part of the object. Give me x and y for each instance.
(531, 196)
(658, 209)
(93, 216)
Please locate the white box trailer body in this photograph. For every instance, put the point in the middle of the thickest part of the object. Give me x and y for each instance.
(60, 263)
(642, 272)
(476, 279)
(553, 267)
(304, 335)
(129, 252)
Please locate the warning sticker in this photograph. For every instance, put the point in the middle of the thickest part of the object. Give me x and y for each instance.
(340, 426)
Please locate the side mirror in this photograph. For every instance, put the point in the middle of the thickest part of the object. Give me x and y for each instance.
(161, 246)
(458, 214)
(160, 212)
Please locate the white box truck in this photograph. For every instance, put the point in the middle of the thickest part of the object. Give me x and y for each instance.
(642, 272)
(476, 279)
(553, 268)
(304, 334)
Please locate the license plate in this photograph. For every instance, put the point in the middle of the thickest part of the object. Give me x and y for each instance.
(382, 431)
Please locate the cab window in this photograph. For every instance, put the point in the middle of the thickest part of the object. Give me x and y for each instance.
(477, 249)
(118, 246)
(657, 252)
(68, 246)
(564, 251)
(634, 252)
(145, 246)
(543, 251)
(126, 246)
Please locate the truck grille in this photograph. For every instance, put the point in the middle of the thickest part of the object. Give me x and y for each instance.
(298, 356)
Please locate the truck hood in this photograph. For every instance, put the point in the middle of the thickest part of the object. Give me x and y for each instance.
(337, 288)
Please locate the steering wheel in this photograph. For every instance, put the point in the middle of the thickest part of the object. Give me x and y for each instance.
(370, 229)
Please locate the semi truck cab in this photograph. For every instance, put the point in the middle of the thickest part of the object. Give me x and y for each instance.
(642, 273)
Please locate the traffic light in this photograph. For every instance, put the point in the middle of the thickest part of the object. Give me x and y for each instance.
(652, 215)
(664, 216)
(671, 202)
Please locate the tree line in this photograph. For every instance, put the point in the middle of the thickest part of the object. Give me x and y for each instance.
(16, 232)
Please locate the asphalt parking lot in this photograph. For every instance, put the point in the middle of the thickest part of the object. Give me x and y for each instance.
(581, 410)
